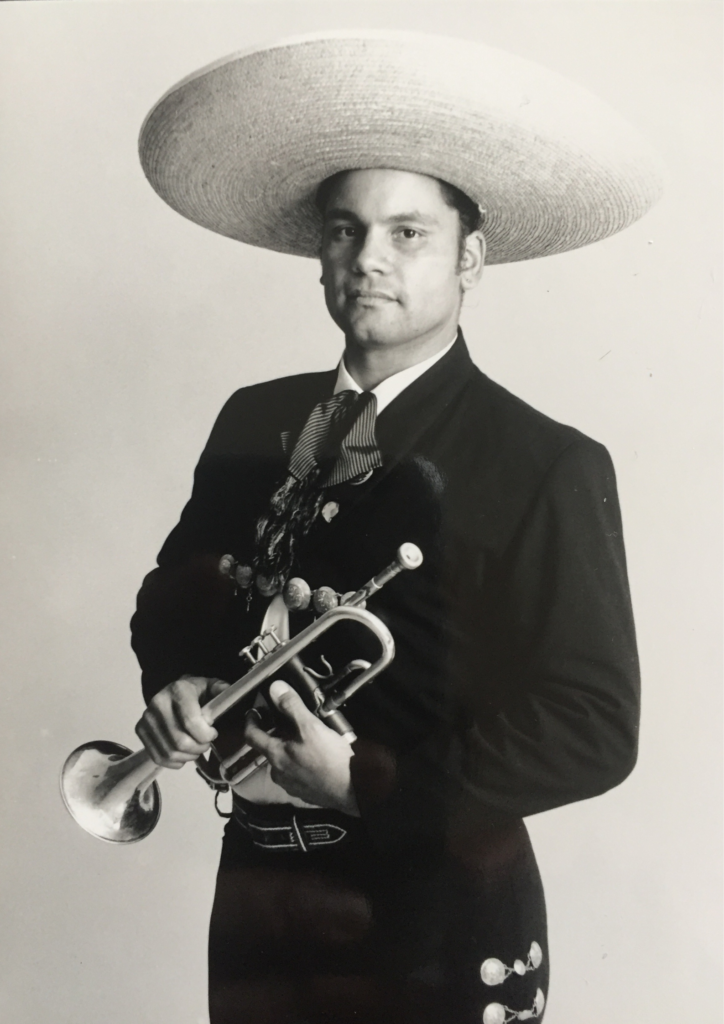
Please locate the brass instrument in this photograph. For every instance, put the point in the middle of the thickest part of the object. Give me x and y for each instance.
(112, 793)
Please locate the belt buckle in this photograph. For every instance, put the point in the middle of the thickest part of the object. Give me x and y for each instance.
(296, 831)
(275, 837)
(296, 835)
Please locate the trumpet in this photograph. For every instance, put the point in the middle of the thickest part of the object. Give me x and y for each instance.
(111, 792)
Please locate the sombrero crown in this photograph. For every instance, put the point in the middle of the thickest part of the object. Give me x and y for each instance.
(241, 146)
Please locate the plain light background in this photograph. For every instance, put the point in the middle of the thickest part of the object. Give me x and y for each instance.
(124, 329)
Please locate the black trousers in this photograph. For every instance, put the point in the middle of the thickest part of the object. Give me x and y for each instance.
(346, 934)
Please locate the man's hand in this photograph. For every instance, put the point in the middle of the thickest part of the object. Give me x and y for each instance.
(173, 728)
(314, 765)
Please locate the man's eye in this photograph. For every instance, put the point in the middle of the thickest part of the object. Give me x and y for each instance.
(344, 231)
(409, 233)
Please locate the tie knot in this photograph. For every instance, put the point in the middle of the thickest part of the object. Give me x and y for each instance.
(341, 405)
(346, 407)
(337, 428)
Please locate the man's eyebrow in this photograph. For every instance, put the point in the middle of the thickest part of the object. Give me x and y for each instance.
(339, 213)
(413, 215)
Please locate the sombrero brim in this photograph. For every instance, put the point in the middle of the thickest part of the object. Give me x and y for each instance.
(241, 146)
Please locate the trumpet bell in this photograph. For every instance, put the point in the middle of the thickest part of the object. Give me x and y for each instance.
(91, 784)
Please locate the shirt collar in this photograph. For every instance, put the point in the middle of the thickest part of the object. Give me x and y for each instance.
(390, 388)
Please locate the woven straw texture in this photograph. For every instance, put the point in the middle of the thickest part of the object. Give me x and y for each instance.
(241, 146)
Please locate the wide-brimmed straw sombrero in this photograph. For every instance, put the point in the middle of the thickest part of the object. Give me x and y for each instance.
(241, 146)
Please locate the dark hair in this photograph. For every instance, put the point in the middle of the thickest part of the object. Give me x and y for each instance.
(324, 190)
(472, 217)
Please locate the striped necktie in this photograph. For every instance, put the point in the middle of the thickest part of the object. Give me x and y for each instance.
(338, 439)
(337, 443)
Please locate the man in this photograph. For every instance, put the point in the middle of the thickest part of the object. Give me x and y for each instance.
(393, 880)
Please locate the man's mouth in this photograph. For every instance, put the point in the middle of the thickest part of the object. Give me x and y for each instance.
(370, 297)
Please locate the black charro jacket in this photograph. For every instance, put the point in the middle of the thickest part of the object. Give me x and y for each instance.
(515, 685)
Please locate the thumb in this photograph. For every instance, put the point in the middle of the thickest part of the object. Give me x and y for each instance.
(289, 702)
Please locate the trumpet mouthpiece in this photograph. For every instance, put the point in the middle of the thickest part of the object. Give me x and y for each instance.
(409, 556)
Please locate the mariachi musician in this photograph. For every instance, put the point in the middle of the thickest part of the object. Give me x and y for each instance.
(393, 879)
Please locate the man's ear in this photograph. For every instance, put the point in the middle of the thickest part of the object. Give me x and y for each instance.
(473, 260)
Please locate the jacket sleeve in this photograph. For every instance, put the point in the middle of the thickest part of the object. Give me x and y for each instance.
(185, 617)
(186, 620)
(564, 724)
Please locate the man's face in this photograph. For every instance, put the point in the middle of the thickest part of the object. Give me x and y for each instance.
(390, 253)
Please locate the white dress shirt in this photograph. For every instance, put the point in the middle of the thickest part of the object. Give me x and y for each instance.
(392, 386)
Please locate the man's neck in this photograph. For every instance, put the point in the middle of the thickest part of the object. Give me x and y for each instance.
(370, 365)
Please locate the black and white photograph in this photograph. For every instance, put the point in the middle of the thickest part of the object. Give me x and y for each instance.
(361, 511)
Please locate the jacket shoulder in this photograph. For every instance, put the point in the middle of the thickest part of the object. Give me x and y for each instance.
(266, 408)
(519, 432)
(511, 455)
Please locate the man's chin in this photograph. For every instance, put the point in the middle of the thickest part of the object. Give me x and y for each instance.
(374, 327)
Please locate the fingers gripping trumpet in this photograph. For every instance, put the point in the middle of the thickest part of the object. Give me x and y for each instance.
(112, 793)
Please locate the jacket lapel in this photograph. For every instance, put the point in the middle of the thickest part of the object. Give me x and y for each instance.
(419, 412)
(424, 405)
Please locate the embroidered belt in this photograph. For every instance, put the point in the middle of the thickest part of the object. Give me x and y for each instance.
(283, 827)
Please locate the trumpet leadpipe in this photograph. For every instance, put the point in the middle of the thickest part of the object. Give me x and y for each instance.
(408, 557)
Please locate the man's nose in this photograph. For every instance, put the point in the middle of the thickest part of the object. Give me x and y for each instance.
(373, 254)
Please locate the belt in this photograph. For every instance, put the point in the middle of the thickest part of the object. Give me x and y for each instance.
(284, 827)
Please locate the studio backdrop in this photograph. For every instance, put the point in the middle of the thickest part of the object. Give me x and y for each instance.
(125, 327)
